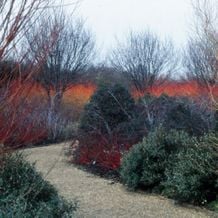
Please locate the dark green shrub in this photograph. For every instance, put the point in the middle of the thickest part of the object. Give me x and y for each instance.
(213, 206)
(132, 131)
(24, 193)
(132, 166)
(108, 107)
(210, 141)
(187, 115)
(145, 164)
(178, 113)
(108, 127)
(191, 177)
(173, 163)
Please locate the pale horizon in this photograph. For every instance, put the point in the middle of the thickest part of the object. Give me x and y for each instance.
(111, 20)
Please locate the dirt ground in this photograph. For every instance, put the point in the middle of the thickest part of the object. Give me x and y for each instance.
(100, 198)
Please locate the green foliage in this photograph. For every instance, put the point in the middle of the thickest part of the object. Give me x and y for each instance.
(175, 164)
(24, 193)
(132, 166)
(109, 126)
(191, 177)
(145, 164)
(108, 107)
(131, 132)
(186, 115)
(210, 141)
(213, 206)
(178, 113)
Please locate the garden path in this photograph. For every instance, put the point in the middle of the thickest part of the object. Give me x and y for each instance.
(101, 198)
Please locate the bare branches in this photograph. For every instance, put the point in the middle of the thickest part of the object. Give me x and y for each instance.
(15, 18)
(144, 59)
(201, 57)
(206, 13)
(201, 62)
(15, 15)
(70, 54)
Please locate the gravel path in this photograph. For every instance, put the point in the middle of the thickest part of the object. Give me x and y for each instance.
(100, 198)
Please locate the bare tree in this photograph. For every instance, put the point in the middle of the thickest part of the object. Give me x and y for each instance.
(15, 16)
(145, 60)
(71, 54)
(16, 114)
(201, 62)
(201, 56)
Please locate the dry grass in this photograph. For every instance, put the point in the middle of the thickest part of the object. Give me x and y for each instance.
(99, 198)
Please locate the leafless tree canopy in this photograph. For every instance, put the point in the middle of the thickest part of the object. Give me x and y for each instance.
(201, 62)
(201, 56)
(14, 17)
(144, 59)
(70, 54)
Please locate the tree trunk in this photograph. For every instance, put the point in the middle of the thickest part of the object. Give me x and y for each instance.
(54, 102)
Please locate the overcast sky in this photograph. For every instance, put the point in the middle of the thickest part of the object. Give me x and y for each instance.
(111, 19)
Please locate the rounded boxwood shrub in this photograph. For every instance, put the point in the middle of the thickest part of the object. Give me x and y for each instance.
(144, 165)
(24, 193)
(191, 177)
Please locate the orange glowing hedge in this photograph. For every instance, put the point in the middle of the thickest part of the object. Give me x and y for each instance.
(79, 94)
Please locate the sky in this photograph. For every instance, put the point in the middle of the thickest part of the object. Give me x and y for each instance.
(111, 20)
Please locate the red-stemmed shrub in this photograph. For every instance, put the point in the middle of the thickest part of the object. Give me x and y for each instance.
(102, 153)
(21, 123)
